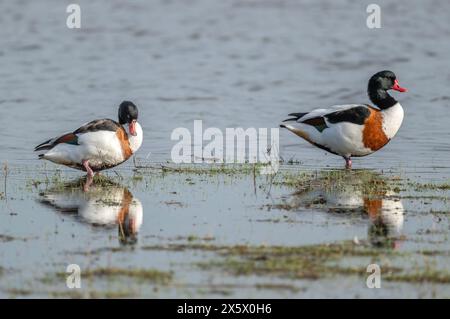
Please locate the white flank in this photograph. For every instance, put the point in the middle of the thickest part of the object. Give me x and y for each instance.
(100, 148)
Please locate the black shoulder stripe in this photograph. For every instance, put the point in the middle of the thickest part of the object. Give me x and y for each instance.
(355, 115)
(99, 125)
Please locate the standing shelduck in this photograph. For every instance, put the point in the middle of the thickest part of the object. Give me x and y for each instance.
(354, 129)
(97, 145)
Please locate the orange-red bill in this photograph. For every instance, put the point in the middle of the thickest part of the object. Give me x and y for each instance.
(132, 128)
(397, 87)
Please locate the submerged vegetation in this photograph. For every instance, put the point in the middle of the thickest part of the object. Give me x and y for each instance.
(310, 262)
(5, 172)
(289, 193)
(430, 186)
(58, 182)
(320, 261)
(212, 169)
(368, 181)
(109, 273)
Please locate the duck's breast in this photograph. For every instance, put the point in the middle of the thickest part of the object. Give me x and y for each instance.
(373, 135)
(392, 120)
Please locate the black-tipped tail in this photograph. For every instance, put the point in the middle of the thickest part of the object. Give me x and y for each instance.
(296, 117)
(44, 146)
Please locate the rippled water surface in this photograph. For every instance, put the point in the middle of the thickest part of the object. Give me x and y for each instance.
(231, 64)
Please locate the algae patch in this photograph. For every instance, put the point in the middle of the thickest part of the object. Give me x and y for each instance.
(152, 275)
(148, 275)
(314, 262)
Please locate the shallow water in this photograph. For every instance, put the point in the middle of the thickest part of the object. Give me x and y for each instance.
(230, 64)
(175, 221)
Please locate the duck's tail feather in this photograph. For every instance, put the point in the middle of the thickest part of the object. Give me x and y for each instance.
(45, 145)
(296, 116)
(68, 138)
(297, 131)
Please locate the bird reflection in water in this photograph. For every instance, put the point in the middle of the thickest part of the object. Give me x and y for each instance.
(358, 192)
(104, 206)
(386, 221)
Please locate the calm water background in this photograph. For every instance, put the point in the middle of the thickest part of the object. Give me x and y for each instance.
(230, 64)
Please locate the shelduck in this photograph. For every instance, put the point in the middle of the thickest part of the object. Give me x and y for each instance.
(97, 145)
(101, 206)
(353, 130)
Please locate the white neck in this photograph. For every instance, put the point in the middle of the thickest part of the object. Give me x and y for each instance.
(135, 140)
(392, 119)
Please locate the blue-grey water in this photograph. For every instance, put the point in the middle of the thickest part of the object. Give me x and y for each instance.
(230, 63)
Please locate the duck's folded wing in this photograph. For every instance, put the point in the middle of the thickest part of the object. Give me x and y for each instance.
(98, 125)
(322, 118)
(76, 137)
(69, 138)
(356, 115)
(102, 137)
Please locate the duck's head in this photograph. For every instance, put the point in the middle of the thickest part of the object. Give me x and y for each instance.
(385, 80)
(378, 86)
(128, 114)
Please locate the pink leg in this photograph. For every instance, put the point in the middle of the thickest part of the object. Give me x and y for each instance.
(90, 175)
(88, 169)
(348, 162)
(88, 183)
